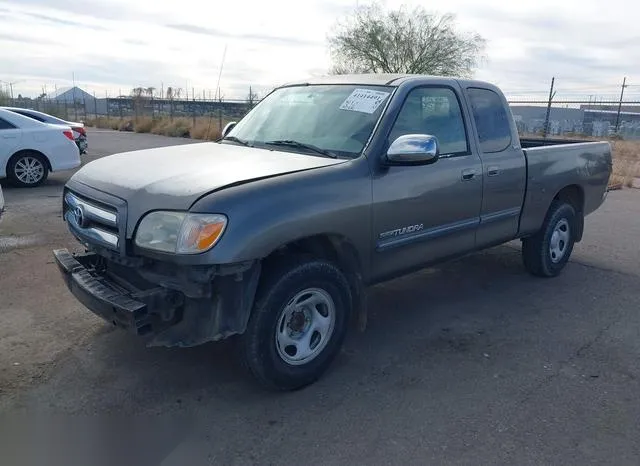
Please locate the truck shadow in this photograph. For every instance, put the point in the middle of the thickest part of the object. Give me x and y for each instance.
(447, 312)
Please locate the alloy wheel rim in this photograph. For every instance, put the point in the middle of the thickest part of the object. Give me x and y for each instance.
(29, 170)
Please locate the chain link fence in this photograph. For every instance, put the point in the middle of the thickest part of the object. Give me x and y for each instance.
(136, 107)
(533, 116)
(578, 118)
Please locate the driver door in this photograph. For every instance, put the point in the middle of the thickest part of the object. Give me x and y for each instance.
(428, 212)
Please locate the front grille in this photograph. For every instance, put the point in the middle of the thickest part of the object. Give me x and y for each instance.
(92, 221)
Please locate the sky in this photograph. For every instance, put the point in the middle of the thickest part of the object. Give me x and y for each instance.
(112, 46)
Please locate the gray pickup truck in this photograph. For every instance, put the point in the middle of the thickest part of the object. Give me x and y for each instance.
(327, 186)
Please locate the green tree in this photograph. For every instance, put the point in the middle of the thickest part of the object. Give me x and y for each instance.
(374, 40)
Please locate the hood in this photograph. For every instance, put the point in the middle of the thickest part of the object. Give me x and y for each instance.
(176, 176)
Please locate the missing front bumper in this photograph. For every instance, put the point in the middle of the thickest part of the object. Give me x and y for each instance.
(126, 308)
(167, 316)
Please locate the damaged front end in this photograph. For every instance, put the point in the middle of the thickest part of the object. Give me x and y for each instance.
(167, 304)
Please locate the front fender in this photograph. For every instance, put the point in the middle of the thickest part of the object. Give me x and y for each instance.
(267, 214)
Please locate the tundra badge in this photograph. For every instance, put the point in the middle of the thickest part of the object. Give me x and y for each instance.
(402, 231)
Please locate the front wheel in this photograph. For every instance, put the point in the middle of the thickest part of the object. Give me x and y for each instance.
(298, 323)
(547, 252)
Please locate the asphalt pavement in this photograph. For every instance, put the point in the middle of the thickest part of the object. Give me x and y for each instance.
(472, 362)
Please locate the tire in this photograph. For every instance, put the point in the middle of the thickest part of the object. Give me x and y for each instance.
(27, 169)
(286, 345)
(545, 255)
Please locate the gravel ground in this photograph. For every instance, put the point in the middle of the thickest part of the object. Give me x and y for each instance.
(473, 362)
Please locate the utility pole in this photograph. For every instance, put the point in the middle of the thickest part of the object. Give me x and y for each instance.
(624, 84)
(75, 108)
(224, 53)
(546, 118)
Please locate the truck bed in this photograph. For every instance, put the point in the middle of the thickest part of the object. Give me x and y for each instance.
(555, 164)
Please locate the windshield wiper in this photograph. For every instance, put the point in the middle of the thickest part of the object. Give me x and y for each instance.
(235, 139)
(302, 145)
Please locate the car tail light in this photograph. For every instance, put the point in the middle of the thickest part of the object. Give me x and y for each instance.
(80, 130)
(69, 134)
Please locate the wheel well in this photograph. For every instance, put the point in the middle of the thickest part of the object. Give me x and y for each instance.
(333, 248)
(29, 151)
(574, 195)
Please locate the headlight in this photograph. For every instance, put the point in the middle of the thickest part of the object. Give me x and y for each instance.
(180, 232)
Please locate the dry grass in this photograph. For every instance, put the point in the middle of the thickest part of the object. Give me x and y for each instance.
(626, 163)
(202, 128)
(143, 125)
(206, 129)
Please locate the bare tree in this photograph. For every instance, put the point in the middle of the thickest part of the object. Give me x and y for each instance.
(149, 91)
(373, 40)
(252, 97)
(172, 93)
(138, 96)
(5, 97)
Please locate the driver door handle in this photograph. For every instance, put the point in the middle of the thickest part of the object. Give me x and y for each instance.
(493, 171)
(468, 174)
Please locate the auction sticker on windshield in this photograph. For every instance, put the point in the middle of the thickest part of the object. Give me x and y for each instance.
(364, 100)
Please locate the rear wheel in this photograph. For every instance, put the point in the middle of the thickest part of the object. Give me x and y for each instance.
(27, 169)
(547, 252)
(298, 323)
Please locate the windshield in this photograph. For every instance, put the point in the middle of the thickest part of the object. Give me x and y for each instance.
(334, 118)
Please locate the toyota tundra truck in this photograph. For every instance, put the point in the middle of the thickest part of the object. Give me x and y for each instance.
(274, 232)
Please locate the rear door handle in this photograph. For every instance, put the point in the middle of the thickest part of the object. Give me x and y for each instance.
(493, 171)
(468, 174)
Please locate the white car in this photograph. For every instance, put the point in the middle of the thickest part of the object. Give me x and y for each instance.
(79, 131)
(29, 150)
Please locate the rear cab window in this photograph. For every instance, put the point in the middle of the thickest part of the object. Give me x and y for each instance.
(491, 118)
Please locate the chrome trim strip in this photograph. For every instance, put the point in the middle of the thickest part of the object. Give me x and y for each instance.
(429, 234)
(93, 212)
(102, 237)
(500, 215)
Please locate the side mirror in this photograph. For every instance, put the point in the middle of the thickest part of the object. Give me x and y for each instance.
(228, 127)
(413, 149)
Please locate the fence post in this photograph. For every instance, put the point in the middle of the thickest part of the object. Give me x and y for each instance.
(546, 118)
(624, 84)
(193, 105)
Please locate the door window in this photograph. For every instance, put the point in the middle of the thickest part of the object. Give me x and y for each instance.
(30, 115)
(434, 111)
